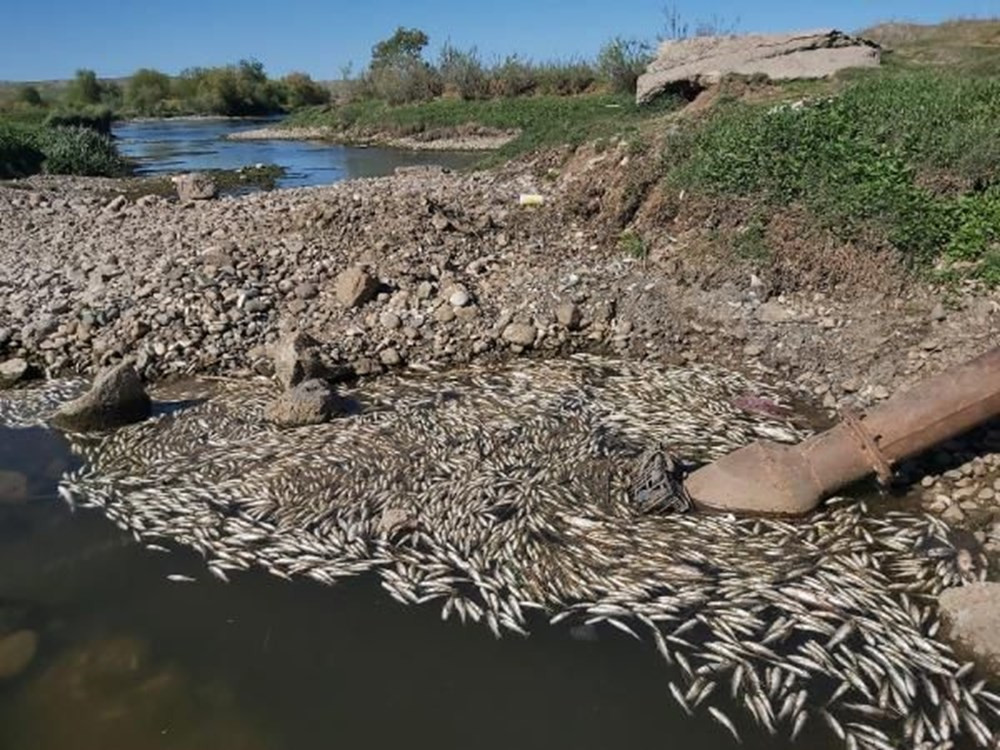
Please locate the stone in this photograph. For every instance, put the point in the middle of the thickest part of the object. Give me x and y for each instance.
(390, 357)
(297, 358)
(394, 520)
(773, 311)
(754, 350)
(568, 315)
(309, 402)
(14, 371)
(969, 617)
(354, 287)
(953, 514)
(366, 366)
(17, 651)
(444, 314)
(13, 487)
(389, 321)
(459, 298)
(195, 186)
(116, 398)
(306, 290)
(688, 65)
(520, 334)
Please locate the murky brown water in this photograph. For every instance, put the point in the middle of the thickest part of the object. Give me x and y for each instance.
(127, 659)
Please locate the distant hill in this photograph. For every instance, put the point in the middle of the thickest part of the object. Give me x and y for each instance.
(966, 43)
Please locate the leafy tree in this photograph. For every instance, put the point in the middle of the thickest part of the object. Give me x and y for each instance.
(147, 90)
(29, 95)
(302, 91)
(84, 89)
(398, 73)
(402, 49)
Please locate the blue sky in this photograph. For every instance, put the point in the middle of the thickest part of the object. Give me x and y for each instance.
(51, 38)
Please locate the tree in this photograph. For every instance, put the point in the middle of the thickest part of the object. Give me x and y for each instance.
(403, 48)
(302, 91)
(147, 90)
(29, 95)
(84, 89)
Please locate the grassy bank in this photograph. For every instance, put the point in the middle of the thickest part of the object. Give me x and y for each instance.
(541, 121)
(908, 159)
(31, 148)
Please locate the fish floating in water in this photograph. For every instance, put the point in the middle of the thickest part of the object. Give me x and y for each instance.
(510, 495)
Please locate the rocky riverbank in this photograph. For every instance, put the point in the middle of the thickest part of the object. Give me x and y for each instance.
(475, 139)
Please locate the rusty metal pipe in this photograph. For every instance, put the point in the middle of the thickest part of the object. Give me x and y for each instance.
(767, 477)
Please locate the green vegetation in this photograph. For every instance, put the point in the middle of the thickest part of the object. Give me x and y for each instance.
(28, 149)
(908, 159)
(630, 243)
(540, 120)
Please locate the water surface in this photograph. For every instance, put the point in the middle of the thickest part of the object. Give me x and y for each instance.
(166, 146)
(128, 659)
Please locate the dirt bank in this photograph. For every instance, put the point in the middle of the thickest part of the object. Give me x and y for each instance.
(444, 140)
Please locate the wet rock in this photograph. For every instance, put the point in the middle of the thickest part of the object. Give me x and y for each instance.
(297, 358)
(354, 287)
(17, 651)
(13, 487)
(970, 615)
(569, 316)
(311, 402)
(520, 334)
(15, 371)
(117, 398)
(195, 186)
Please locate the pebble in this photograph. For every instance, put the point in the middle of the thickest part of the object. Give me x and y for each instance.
(459, 298)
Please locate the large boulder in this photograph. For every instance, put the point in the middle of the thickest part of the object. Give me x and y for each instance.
(703, 61)
(195, 186)
(117, 398)
(970, 615)
(297, 358)
(311, 402)
(14, 371)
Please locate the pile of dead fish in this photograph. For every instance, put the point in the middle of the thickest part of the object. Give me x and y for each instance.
(497, 493)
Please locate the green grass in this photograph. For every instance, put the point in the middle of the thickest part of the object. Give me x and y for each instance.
(541, 120)
(908, 158)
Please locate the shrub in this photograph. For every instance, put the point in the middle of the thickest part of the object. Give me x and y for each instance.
(29, 96)
(299, 90)
(96, 118)
(564, 79)
(512, 77)
(621, 62)
(147, 91)
(20, 154)
(80, 151)
(463, 73)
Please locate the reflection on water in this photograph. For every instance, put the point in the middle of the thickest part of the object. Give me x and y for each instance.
(182, 145)
(129, 660)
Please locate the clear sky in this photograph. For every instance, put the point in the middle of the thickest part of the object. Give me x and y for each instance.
(45, 39)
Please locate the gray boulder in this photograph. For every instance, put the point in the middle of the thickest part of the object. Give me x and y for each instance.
(703, 61)
(521, 334)
(116, 398)
(311, 402)
(297, 358)
(15, 371)
(970, 615)
(355, 286)
(195, 186)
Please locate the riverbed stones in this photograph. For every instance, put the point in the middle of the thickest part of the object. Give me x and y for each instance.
(520, 334)
(13, 487)
(195, 186)
(310, 402)
(971, 615)
(17, 651)
(116, 398)
(15, 371)
(355, 286)
(568, 315)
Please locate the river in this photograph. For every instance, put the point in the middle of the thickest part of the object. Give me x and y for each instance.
(166, 146)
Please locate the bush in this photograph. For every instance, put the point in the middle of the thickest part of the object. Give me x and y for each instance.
(512, 77)
(20, 154)
(147, 91)
(96, 118)
(564, 79)
(299, 90)
(621, 62)
(27, 150)
(29, 96)
(234, 90)
(463, 73)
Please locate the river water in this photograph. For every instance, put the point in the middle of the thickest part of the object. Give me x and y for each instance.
(166, 146)
(128, 659)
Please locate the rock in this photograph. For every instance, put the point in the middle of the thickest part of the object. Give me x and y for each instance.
(459, 298)
(390, 357)
(116, 398)
(195, 186)
(880, 392)
(308, 290)
(15, 371)
(310, 402)
(568, 315)
(444, 314)
(13, 487)
(17, 651)
(366, 366)
(297, 358)
(970, 615)
(702, 61)
(754, 350)
(520, 334)
(773, 311)
(953, 514)
(354, 287)
(390, 321)
(395, 520)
